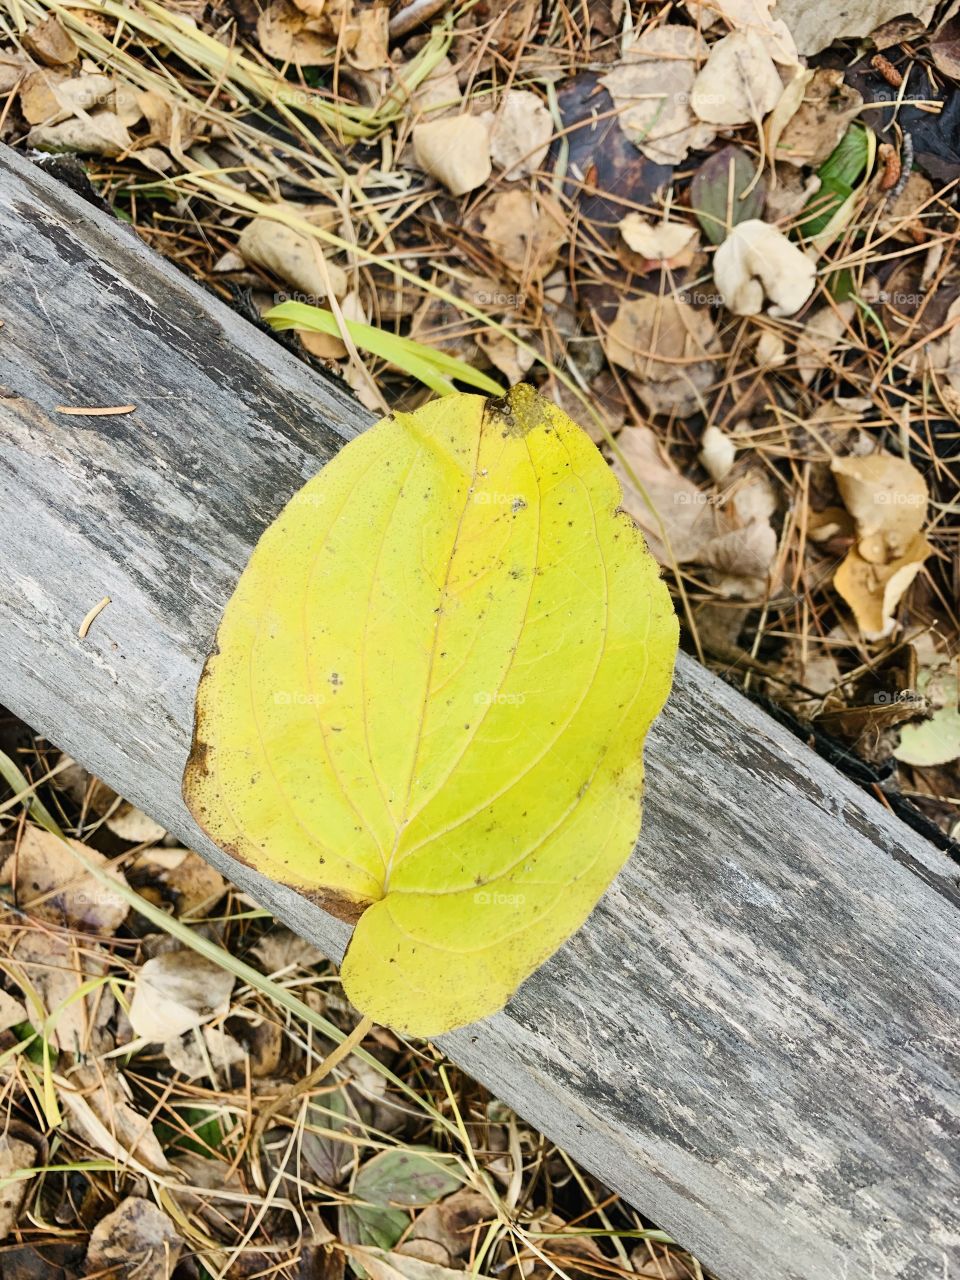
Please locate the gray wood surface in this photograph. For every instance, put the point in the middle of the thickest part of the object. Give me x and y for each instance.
(754, 1038)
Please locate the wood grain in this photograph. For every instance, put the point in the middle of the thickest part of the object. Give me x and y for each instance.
(754, 1038)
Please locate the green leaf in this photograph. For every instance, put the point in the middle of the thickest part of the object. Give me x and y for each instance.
(390, 1184)
(839, 176)
(431, 367)
(427, 701)
(723, 192)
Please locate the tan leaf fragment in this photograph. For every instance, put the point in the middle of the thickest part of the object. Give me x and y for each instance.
(673, 242)
(284, 32)
(525, 231)
(176, 991)
(99, 133)
(455, 151)
(664, 342)
(521, 133)
(757, 263)
(51, 883)
(50, 43)
(15, 1157)
(822, 116)
(438, 94)
(748, 15)
(739, 83)
(717, 453)
(97, 1101)
(136, 1239)
(293, 257)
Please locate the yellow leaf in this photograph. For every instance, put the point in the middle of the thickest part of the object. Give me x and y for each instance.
(428, 698)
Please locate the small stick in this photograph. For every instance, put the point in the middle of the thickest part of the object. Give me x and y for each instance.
(413, 15)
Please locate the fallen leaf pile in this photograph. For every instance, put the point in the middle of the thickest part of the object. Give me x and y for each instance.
(155, 1121)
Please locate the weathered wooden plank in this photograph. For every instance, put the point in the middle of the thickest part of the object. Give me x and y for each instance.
(755, 1037)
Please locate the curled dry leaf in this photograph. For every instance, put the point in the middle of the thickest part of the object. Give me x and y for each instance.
(51, 883)
(176, 991)
(811, 131)
(873, 591)
(887, 498)
(136, 1238)
(665, 343)
(455, 151)
(816, 23)
(673, 242)
(293, 257)
(520, 137)
(56, 970)
(651, 89)
(757, 263)
(524, 231)
(739, 83)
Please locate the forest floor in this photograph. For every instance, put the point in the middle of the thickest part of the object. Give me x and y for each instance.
(726, 243)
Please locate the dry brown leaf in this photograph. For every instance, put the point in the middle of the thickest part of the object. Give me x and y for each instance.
(136, 1239)
(739, 83)
(292, 257)
(821, 118)
(455, 150)
(748, 15)
(176, 991)
(524, 231)
(673, 242)
(454, 1222)
(822, 334)
(286, 33)
(55, 968)
(51, 883)
(689, 517)
(757, 263)
(98, 1102)
(873, 591)
(12, 1013)
(887, 498)
(651, 92)
(664, 342)
(521, 133)
(219, 1051)
(15, 1156)
(51, 43)
(99, 133)
(816, 23)
(178, 877)
(13, 68)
